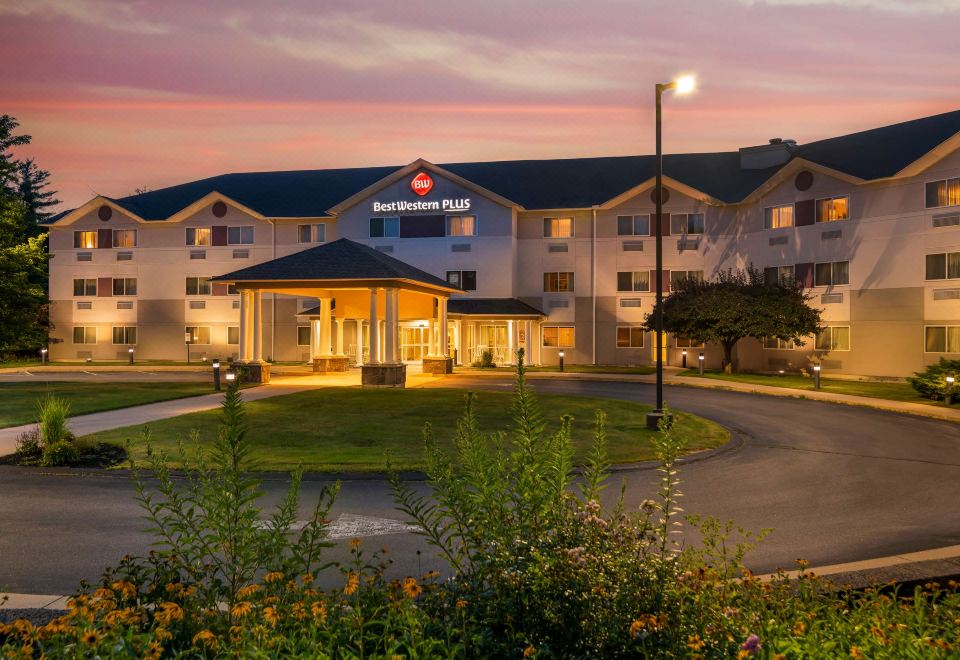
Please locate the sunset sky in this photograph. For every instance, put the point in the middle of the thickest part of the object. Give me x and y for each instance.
(120, 95)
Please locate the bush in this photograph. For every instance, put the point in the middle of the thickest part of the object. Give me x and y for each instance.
(28, 444)
(53, 412)
(486, 360)
(61, 452)
(932, 383)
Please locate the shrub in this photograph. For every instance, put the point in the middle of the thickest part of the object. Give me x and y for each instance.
(486, 360)
(53, 412)
(932, 383)
(28, 444)
(61, 452)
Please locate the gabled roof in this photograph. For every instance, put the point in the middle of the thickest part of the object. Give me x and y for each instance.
(491, 307)
(339, 260)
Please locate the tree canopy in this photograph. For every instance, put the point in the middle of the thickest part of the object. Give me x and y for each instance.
(735, 305)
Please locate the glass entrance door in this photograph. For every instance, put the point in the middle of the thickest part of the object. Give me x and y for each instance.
(493, 338)
(413, 343)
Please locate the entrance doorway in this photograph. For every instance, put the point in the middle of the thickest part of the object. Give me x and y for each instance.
(414, 343)
(493, 338)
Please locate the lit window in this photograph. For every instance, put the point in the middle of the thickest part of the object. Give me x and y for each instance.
(124, 238)
(558, 336)
(775, 217)
(198, 334)
(84, 335)
(233, 334)
(629, 337)
(125, 335)
(943, 266)
(775, 343)
(384, 227)
(465, 279)
(558, 227)
(686, 342)
(461, 225)
(198, 286)
(832, 273)
(832, 209)
(633, 225)
(638, 280)
(834, 338)
(198, 235)
(686, 223)
(124, 286)
(303, 335)
(557, 282)
(85, 287)
(85, 239)
(943, 193)
(942, 339)
(240, 235)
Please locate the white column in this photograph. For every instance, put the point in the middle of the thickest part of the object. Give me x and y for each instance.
(325, 320)
(314, 339)
(432, 339)
(444, 329)
(528, 342)
(339, 334)
(257, 326)
(511, 345)
(390, 336)
(359, 341)
(374, 328)
(244, 329)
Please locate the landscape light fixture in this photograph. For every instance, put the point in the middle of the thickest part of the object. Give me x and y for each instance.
(130, 354)
(682, 85)
(216, 375)
(951, 393)
(701, 359)
(816, 376)
(561, 360)
(684, 363)
(43, 356)
(781, 372)
(231, 377)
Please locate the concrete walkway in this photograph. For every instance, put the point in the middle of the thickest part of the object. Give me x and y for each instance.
(670, 378)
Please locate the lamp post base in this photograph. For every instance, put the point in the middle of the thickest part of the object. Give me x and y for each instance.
(653, 419)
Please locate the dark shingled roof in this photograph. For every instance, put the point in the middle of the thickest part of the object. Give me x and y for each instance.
(491, 307)
(560, 183)
(339, 260)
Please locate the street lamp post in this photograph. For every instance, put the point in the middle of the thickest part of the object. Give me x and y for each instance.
(43, 356)
(682, 85)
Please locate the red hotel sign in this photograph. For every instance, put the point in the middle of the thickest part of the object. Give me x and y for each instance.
(421, 184)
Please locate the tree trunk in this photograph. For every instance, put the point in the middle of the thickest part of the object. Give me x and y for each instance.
(728, 356)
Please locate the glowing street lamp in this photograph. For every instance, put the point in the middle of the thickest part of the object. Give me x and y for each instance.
(682, 85)
(816, 376)
(43, 356)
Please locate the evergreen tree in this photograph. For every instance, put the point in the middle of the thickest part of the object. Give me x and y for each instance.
(24, 306)
(33, 191)
(9, 165)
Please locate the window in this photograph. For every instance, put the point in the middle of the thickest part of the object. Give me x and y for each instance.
(638, 280)
(312, 233)
(384, 227)
(677, 276)
(832, 209)
(233, 335)
(832, 273)
(199, 334)
(633, 225)
(781, 274)
(629, 337)
(198, 286)
(124, 286)
(85, 239)
(558, 336)
(125, 335)
(943, 266)
(232, 290)
(557, 282)
(124, 238)
(465, 279)
(461, 225)
(686, 223)
(303, 335)
(775, 217)
(85, 287)
(834, 338)
(774, 343)
(558, 227)
(943, 193)
(942, 339)
(686, 342)
(240, 235)
(198, 235)
(84, 335)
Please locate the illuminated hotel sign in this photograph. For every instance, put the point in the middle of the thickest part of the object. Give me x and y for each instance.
(421, 185)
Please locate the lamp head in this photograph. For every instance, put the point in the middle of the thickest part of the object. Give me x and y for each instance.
(816, 367)
(951, 379)
(701, 357)
(216, 364)
(685, 84)
(231, 375)
(684, 351)
(43, 350)
(130, 350)
(561, 353)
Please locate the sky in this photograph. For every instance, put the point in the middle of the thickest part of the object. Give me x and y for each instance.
(145, 94)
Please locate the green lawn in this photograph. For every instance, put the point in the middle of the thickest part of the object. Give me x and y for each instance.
(891, 391)
(353, 429)
(18, 401)
(580, 369)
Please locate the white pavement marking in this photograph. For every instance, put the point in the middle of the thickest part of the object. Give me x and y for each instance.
(27, 373)
(90, 373)
(349, 525)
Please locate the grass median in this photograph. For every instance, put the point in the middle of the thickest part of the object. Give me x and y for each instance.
(353, 429)
(18, 401)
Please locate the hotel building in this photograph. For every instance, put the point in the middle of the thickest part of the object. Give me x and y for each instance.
(547, 255)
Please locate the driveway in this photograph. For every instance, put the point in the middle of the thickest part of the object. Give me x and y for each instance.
(837, 483)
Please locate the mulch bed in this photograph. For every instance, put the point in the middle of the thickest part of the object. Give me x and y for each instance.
(102, 455)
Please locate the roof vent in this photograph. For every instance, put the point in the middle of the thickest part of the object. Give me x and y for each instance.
(777, 152)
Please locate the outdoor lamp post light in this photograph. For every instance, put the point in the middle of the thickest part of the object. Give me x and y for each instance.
(561, 360)
(781, 372)
(216, 375)
(682, 85)
(231, 377)
(43, 356)
(951, 380)
(130, 354)
(701, 358)
(816, 376)
(684, 363)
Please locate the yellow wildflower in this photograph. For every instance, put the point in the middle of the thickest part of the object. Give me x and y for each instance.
(319, 611)
(274, 576)
(799, 628)
(248, 591)
(694, 643)
(90, 637)
(529, 651)
(162, 634)
(355, 543)
(270, 614)
(205, 637)
(855, 652)
(241, 609)
(154, 650)
(461, 604)
(411, 588)
(298, 611)
(353, 581)
(126, 588)
(103, 594)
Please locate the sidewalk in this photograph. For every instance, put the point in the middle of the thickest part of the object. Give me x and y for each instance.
(670, 378)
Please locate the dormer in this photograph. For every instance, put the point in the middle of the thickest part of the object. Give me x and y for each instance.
(777, 152)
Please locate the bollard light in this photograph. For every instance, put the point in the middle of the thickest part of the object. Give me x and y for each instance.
(43, 356)
(701, 359)
(231, 377)
(781, 372)
(130, 354)
(684, 364)
(216, 375)
(816, 376)
(561, 360)
(951, 392)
